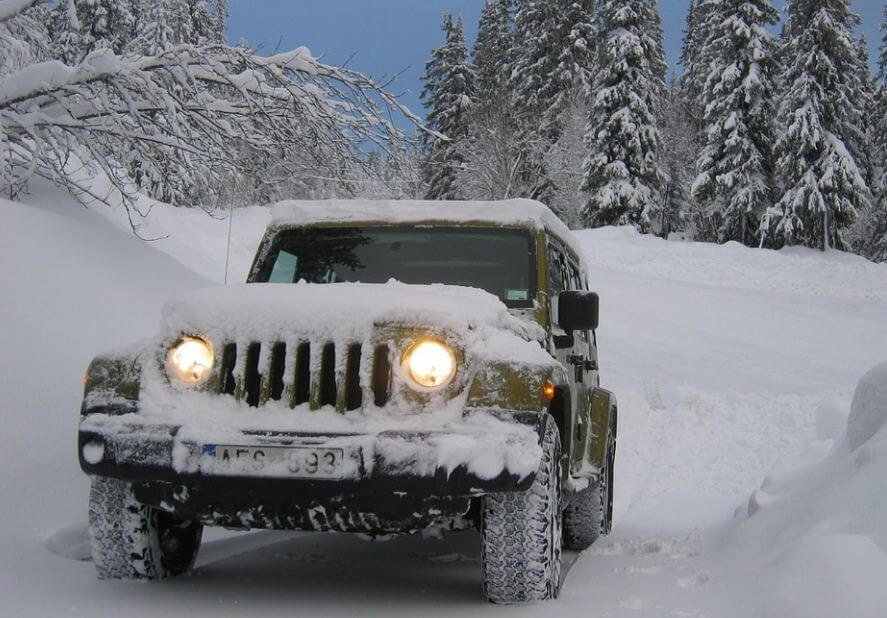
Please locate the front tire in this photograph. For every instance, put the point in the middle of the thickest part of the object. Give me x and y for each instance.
(133, 541)
(521, 533)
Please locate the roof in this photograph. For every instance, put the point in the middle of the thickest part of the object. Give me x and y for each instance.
(519, 213)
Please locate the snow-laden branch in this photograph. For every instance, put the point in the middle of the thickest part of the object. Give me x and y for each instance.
(213, 108)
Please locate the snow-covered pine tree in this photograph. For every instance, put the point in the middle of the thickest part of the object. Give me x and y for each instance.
(162, 24)
(208, 18)
(677, 162)
(861, 145)
(493, 52)
(555, 39)
(819, 114)
(78, 27)
(571, 86)
(531, 89)
(536, 59)
(733, 185)
(697, 56)
(575, 38)
(621, 174)
(447, 92)
(876, 235)
(493, 147)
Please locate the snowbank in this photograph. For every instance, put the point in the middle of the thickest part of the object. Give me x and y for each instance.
(830, 274)
(813, 540)
(71, 285)
(868, 413)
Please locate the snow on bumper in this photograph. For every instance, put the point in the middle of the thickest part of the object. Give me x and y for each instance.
(469, 458)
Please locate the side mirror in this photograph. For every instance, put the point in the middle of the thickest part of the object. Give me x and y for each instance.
(578, 310)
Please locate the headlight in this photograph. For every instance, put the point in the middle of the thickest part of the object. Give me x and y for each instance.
(191, 359)
(430, 364)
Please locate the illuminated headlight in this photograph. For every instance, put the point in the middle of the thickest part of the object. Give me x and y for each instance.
(190, 359)
(430, 364)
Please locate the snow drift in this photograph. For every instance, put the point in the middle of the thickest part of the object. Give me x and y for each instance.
(814, 540)
(868, 413)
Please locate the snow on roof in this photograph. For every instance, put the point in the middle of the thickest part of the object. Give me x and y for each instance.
(517, 212)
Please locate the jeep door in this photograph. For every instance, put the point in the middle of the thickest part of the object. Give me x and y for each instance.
(575, 351)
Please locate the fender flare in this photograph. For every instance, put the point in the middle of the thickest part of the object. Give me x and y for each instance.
(604, 420)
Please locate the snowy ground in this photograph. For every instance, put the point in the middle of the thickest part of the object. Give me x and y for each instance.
(734, 368)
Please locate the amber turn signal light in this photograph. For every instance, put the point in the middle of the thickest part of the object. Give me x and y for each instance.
(548, 390)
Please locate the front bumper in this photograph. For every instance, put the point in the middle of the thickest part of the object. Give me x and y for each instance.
(453, 463)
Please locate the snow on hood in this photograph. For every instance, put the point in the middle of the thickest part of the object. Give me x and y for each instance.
(341, 311)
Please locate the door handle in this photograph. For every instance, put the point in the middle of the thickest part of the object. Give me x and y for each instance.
(581, 361)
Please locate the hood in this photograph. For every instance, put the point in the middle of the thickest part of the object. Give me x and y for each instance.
(263, 311)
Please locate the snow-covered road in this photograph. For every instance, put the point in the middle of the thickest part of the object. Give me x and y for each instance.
(730, 365)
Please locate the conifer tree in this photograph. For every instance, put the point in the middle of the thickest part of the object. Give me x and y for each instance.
(494, 51)
(575, 37)
(555, 43)
(532, 90)
(733, 185)
(823, 186)
(861, 141)
(78, 27)
(697, 56)
(622, 175)
(677, 162)
(208, 18)
(163, 24)
(876, 236)
(493, 147)
(447, 94)
(536, 61)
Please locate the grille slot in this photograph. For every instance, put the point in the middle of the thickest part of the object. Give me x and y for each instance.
(381, 375)
(229, 360)
(252, 381)
(277, 371)
(353, 392)
(302, 384)
(327, 379)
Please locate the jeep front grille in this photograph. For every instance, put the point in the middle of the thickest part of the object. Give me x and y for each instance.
(306, 372)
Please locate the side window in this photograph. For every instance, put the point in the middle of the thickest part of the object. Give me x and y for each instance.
(556, 279)
(583, 337)
(575, 279)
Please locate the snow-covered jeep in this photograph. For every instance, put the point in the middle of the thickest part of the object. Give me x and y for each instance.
(389, 367)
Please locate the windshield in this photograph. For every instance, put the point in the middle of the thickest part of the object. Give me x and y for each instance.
(500, 261)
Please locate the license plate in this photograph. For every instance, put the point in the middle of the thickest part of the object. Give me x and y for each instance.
(292, 461)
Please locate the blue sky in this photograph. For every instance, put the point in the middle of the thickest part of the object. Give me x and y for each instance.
(385, 37)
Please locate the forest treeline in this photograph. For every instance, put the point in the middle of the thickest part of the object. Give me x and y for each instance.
(764, 139)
